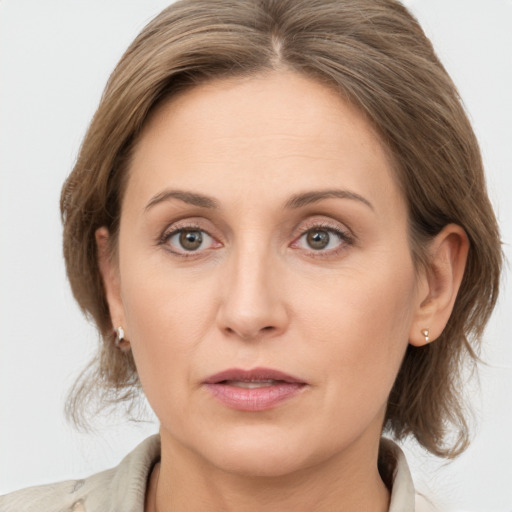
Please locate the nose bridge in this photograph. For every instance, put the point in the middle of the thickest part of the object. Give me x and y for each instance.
(253, 298)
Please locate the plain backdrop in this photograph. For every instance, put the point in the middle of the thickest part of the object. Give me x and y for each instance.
(55, 57)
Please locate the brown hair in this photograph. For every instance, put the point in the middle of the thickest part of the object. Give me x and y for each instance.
(374, 53)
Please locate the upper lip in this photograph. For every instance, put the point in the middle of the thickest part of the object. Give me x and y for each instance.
(254, 374)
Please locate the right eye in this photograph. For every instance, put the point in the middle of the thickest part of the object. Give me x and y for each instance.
(188, 240)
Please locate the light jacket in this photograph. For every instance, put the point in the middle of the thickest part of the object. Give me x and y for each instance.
(123, 488)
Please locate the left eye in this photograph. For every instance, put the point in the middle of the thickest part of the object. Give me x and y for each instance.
(320, 239)
(189, 240)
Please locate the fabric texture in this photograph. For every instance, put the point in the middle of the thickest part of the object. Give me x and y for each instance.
(123, 488)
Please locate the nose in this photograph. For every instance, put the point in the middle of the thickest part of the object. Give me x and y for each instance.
(253, 298)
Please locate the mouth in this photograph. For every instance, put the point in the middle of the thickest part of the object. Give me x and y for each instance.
(253, 390)
(251, 384)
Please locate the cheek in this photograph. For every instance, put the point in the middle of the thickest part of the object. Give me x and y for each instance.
(166, 318)
(360, 324)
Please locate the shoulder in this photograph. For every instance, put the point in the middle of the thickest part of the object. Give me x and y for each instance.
(423, 504)
(404, 497)
(59, 497)
(119, 488)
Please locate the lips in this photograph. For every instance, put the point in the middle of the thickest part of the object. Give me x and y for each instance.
(253, 390)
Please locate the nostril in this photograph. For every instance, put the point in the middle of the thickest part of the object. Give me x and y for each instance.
(249, 334)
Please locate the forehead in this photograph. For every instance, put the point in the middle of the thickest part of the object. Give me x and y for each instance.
(280, 130)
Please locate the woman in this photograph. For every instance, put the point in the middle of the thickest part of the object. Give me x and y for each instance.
(278, 221)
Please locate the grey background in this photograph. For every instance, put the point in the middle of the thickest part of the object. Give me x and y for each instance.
(55, 57)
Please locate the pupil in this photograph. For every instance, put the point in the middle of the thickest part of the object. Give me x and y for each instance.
(318, 239)
(191, 240)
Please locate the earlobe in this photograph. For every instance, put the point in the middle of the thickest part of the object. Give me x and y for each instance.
(448, 256)
(110, 277)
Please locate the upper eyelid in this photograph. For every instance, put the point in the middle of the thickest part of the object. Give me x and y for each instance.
(331, 229)
(333, 225)
(183, 225)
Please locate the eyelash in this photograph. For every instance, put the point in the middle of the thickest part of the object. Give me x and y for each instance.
(167, 235)
(345, 238)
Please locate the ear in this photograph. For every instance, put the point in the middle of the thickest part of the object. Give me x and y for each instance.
(110, 275)
(440, 284)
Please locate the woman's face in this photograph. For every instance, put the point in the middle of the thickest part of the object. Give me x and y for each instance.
(264, 278)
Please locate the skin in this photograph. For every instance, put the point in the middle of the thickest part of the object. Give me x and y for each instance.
(256, 294)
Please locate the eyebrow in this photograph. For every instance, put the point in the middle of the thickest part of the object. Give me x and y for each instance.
(300, 200)
(187, 197)
(296, 201)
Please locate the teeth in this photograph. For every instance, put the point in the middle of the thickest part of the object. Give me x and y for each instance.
(251, 384)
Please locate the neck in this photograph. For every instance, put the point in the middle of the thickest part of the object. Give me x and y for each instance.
(183, 482)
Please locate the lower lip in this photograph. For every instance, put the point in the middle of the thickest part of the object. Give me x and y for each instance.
(256, 399)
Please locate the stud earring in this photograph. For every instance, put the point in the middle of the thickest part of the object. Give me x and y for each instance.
(425, 333)
(119, 336)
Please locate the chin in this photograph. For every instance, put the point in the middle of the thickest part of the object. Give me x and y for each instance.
(259, 463)
(261, 452)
